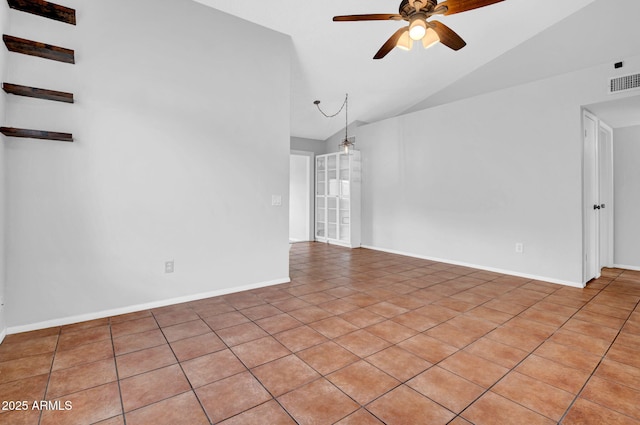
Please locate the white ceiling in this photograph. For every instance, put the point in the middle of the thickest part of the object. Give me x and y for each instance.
(606, 31)
(334, 58)
(618, 113)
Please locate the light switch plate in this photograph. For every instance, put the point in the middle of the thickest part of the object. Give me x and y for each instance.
(168, 266)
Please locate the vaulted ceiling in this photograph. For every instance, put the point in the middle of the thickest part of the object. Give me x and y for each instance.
(507, 43)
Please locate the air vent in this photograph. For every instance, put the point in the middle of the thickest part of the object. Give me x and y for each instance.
(624, 83)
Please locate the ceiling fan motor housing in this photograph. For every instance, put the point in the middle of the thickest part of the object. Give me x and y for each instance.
(407, 10)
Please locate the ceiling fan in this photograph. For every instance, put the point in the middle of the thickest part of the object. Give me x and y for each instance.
(417, 13)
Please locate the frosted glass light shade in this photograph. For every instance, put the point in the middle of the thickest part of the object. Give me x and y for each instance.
(430, 38)
(417, 29)
(405, 42)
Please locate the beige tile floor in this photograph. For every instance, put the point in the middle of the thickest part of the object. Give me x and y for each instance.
(357, 337)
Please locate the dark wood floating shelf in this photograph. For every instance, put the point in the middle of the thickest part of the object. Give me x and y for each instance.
(35, 48)
(58, 96)
(36, 134)
(46, 9)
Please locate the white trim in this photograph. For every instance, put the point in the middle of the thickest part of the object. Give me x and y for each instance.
(2, 335)
(621, 266)
(476, 266)
(139, 307)
(336, 242)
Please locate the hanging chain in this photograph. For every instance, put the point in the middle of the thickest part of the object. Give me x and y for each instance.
(317, 103)
(345, 106)
(346, 116)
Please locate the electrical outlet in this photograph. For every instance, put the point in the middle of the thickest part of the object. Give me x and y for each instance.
(519, 247)
(168, 266)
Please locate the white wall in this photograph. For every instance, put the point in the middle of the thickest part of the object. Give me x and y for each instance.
(318, 147)
(3, 68)
(626, 153)
(464, 182)
(299, 193)
(180, 143)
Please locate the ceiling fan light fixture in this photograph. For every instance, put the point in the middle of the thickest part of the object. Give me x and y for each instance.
(430, 38)
(418, 28)
(405, 42)
(418, 13)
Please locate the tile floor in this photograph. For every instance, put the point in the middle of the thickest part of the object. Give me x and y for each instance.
(358, 337)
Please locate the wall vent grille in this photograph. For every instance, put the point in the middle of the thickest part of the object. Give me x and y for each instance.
(626, 82)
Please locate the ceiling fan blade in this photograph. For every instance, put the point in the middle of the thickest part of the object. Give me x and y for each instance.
(390, 43)
(448, 37)
(369, 17)
(457, 6)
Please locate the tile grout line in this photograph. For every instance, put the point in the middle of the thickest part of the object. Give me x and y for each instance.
(462, 348)
(600, 362)
(531, 352)
(600, 290)
(323, 376)
(179, 363)
(115, 362)
(291, 353)
(228, 347)
(274, 398)
(359, 286)
(401, 383)
(53, 358)
(434, 364)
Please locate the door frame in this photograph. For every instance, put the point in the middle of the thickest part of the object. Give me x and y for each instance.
(593, 173)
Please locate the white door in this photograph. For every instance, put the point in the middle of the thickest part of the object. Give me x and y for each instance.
(591, 202)
(605, 172)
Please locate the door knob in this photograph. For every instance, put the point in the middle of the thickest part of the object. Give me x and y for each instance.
(596, 207)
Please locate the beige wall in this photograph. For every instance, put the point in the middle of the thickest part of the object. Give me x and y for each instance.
(626, 153)
(465, 181)
(3, 67)
(180, 143)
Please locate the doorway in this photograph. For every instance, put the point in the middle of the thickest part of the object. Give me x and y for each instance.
(597, 196)
(300, 196)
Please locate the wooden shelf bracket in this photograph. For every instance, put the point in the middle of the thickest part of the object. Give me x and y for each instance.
(36, 48)
(18, 90)
(36, 134)
(45, 9)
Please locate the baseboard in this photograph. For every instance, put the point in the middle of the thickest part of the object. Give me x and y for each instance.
(2, 335)
(138, 307)
(621, 266)
(479, 267)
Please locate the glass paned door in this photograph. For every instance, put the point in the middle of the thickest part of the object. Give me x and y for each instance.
(321, 176)
(332, 217)
(321, 200)
(321, 213)
(338, 198)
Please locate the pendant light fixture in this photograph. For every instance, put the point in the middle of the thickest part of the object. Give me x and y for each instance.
(347, 143)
